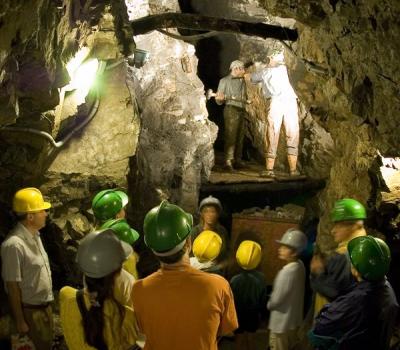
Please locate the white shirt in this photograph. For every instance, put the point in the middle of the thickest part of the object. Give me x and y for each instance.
(24, 260)
(275, 82)
(287, 298)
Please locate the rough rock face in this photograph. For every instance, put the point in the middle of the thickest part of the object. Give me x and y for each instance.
(175, 145)
(110, 138)
(28, 59)
(350, 102)
(344, 69)
(316, 149)
(356, 98)
(97, 155)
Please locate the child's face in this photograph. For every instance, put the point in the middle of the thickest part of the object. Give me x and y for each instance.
(210, 215)
(287, 254)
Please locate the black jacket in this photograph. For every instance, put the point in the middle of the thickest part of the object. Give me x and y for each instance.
(360, 319)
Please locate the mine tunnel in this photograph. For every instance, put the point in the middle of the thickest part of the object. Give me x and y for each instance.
(122, 99)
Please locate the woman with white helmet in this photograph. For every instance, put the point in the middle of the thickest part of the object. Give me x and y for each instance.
(92, 318)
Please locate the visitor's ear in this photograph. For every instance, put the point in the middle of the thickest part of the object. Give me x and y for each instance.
(189, 243)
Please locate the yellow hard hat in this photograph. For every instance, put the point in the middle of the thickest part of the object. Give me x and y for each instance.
(207, 246)
(248, 255)
(29, 200)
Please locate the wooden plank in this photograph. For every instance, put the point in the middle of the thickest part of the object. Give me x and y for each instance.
(147, 24)
(274, 186)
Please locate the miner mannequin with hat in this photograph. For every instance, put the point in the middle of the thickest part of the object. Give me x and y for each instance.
(232, 92)
(364, 316)
(210, 209)
(282, 108)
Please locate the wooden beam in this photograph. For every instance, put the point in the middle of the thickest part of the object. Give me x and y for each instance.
(203, 23)
(272, 187)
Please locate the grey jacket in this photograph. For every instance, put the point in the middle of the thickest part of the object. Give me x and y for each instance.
(287, 298)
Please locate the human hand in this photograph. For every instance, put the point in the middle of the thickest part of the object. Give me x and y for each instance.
(247, 76)
(22, 327)
(317, 265)
(219, 96)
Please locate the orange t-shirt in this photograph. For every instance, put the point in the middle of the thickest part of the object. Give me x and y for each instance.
(183, 309)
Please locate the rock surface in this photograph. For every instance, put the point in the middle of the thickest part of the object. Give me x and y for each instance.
(344, 68)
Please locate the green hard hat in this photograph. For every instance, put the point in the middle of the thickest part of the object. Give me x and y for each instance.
(106, 204)
(122, 230)
(348, 209)
(166, 226)
(370, 256)
(124, 197)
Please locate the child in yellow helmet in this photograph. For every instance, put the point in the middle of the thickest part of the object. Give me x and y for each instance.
(206, 249)
(249, 292)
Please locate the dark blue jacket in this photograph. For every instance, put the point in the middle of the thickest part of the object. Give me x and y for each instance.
(250, 294)
(336, 279)
(361, 319)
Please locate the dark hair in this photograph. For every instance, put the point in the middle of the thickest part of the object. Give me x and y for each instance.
(93, 320)
(174, 258)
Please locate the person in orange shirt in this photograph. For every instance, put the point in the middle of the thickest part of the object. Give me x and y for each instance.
(179, 307)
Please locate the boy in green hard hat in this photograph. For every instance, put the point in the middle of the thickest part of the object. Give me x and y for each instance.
(127, 234)
(108, 207)
(364, 317)
(109, 204)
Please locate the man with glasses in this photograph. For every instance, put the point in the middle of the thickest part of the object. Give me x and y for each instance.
(232, 92)
(26, 270)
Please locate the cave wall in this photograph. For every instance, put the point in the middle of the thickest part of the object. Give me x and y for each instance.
(344, 69)
(175, 148)
(356, 100)
(345, 72)
(316, 143)
(93, 157)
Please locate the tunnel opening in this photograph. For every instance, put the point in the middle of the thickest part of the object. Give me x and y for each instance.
(215, 54)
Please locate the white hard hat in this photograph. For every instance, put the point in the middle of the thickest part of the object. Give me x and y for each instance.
(210, 200)
(236, 64)
(101, 253)
(295, 239)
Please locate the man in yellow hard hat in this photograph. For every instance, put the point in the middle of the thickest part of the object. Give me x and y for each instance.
(26, 269)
